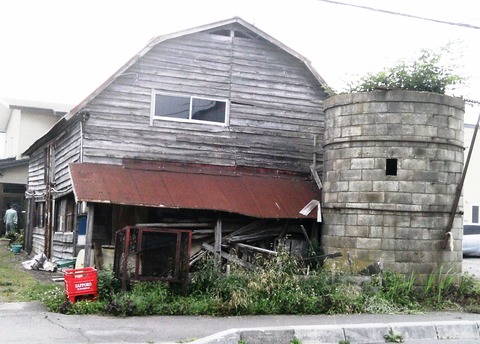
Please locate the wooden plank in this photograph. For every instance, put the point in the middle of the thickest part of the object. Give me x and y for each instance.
(231, 258)
(176, 224)
(257, 249)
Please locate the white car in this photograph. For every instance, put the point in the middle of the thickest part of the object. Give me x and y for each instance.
(471, 241)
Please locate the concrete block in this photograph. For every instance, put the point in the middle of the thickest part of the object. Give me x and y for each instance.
(362, 163)
(371, 197)
(410, 187)
(352, 131)
(231, 336)
(400, 107)
(356, 231)
(423, 198)
(328, 334)
(348, 175)
(370, 244)
(386, 185)
(399, 198)
(411, 331)
(361, 186)
(370, 220)
(457, 330)
(366, 334)
(374, 174)
(348, 197)
(268, 335)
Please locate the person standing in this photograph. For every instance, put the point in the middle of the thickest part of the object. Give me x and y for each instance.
(10, 219)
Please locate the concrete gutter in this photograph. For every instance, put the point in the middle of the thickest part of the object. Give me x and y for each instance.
(413, 332)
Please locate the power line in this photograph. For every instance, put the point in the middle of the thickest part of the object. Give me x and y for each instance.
(468, 26)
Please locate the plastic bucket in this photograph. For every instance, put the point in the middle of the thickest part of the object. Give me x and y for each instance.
(16, 248)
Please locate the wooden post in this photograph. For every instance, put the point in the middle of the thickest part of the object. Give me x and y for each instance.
(218, 243)
(89, 236)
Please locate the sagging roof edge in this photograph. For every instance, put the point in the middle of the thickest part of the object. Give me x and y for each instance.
(89, 184)
(74, 112)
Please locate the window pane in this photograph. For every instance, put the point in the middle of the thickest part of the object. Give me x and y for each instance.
(475, 214)
(173, 107)
(208, 110)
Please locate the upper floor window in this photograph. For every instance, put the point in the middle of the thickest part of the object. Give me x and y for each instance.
(189, 108)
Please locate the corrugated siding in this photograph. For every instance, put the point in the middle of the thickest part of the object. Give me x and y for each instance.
(276, 106)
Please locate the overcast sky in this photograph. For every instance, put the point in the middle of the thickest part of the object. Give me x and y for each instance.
(61, 50)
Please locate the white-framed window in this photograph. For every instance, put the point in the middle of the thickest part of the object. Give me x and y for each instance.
(183, 108)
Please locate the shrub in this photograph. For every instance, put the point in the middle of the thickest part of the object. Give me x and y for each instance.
(425, 73)
(108, 285)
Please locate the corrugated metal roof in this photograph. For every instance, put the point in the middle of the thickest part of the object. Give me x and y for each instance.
(251, 192)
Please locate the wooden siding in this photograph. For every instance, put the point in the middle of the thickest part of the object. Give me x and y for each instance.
(276, 106)
(36, 173)
(67, 150)
(38, 241)
(62, 245)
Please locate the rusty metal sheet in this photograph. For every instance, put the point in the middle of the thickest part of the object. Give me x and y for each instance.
(252, 192)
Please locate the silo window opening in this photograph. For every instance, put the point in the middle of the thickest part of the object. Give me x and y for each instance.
(391, 167)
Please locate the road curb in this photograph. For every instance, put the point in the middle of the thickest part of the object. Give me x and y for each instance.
(358, 333)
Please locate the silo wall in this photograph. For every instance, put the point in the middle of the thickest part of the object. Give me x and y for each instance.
(393, 161)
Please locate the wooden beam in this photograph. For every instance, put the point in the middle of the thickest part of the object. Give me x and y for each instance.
(258, 249)
(89, 236)
(175, 225)
(231, 258)
(218, 243)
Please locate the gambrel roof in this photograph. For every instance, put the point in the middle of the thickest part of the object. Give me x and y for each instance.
(233, 23)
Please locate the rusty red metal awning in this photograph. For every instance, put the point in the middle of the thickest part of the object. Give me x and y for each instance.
(253, 192)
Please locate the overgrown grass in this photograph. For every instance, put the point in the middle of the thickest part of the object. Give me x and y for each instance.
(282, 287)
(16, 284)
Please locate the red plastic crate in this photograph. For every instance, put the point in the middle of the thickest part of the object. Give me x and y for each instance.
(81, 284)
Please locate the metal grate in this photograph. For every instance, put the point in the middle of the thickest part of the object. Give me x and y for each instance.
(152, 254)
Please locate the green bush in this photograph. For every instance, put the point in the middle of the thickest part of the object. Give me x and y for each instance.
(424, 73)
(108, 285)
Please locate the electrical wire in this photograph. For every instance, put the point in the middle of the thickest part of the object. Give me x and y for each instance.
(465, 25)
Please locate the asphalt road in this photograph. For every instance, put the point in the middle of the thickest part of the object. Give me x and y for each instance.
(30, 323)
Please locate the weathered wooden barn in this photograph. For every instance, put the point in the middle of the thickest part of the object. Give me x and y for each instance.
(215, 130)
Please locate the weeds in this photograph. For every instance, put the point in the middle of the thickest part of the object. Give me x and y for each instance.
(392, 337)
(438, 285)
(282, 287)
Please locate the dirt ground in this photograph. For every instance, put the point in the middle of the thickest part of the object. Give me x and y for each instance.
(40, 275)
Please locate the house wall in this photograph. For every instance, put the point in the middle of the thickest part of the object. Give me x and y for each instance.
(275, 111)
(12, 134)
(34, 124)
(14, 175)
(471, 196)
(24, 127)
(67, 149)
